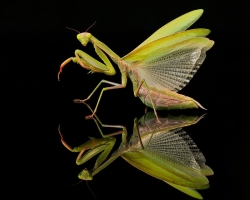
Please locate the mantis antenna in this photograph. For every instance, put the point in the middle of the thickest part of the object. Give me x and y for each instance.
(76, 183)
(88, 187)
(90, 26)
(79, 31)
(91, 190)
(73, 29)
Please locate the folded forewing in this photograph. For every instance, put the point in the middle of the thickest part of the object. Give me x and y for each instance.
(179, 24)
(161, 43)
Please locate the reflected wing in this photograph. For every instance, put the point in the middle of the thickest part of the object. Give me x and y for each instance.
(167, 156)
(178, 147)
(174, 66)
(199, 157)
(179, 24)
(189, 191)
(172, 147)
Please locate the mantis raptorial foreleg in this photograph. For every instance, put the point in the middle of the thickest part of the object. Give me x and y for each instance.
(90, 63)
(94, 65)
(103, 164)
(95, 146)
(63, 64)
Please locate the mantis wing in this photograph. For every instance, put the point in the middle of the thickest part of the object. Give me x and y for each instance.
(179, 24)
(142, 52)
(174, 66)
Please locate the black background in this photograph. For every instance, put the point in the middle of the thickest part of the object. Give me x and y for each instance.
(34, 42)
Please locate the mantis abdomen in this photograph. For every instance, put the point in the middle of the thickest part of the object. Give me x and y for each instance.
(166, 100)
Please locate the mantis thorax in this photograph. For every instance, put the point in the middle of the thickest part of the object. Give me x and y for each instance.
(124, 66)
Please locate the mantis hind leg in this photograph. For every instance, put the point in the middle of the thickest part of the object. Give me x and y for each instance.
(152, 102)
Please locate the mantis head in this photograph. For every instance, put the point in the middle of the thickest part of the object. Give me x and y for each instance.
(84, 38)
(85, 175)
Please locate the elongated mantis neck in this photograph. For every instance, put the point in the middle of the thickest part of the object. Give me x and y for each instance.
(105, 48)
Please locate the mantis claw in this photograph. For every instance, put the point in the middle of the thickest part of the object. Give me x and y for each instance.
(58, 76)
(79, 101)
(158, 121)
(89, 116)
(62, 66)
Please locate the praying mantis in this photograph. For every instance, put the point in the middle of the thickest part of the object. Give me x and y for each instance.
(158, 68)
(164, 151)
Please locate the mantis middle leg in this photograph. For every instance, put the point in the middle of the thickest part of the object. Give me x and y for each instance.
(115, 86)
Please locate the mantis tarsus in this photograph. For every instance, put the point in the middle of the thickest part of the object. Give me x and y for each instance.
(164, 151)
(158, 68)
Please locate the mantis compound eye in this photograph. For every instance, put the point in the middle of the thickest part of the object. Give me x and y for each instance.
(88, 35)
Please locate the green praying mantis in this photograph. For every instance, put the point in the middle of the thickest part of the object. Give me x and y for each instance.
(158, 68)
(164, 151)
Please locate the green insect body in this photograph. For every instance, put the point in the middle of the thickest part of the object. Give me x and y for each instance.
(158, 68)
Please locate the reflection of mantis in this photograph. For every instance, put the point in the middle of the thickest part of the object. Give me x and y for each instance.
(158, 68)
(165, 152)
